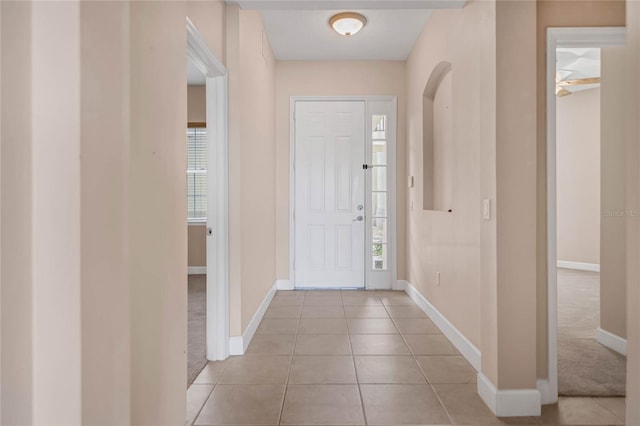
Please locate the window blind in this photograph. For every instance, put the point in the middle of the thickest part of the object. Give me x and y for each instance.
(196, 174)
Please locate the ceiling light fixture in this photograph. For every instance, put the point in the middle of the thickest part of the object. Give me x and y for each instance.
(347, 23)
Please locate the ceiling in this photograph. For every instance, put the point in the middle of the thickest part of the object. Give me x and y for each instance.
(575, 63)
(306, 34)
(299, 29)
(347, 4)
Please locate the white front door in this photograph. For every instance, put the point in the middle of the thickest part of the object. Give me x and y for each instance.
(329, 211)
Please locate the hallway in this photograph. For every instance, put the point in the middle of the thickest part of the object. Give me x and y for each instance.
(355, 358)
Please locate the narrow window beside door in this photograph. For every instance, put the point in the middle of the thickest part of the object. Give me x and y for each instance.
(379, 215)
(196, 173)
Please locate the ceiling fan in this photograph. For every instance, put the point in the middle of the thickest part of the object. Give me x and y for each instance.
(561, 84)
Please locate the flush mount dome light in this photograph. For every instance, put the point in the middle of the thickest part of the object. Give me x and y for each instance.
(347, 23)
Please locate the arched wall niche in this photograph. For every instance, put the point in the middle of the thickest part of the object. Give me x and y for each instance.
(437, 133)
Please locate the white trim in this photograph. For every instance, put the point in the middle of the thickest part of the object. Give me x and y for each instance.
(217, 269)
(200, 55)
(284, 285)
(400, 285)
(611, 341)
(464, 345)
(392, 191)
(196, 270)
(511, 402)
(562, 37)
(238, 344)
(546, 394)
(580, 266)
(235, 345)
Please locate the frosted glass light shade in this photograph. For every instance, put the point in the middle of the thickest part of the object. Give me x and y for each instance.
(347, 23)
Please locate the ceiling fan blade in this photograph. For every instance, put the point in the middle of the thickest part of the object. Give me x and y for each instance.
(561, 92)
(579, 81)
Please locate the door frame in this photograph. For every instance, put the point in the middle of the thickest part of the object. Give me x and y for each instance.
(217, 193)
(391, 181)
(561, 37)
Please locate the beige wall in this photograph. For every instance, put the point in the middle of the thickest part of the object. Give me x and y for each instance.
(252, 165)
(197, 104)
(487, 287)
(210, 19)
(632, 155)
(613, 234)
(55, 214)
(104, 169)
(197, 241)
(108, 286)
(557, 13)
(329, 78)
(443, 242)
(578, 176)
(15, 133)
(158, 242)
(515, 186)
(197, 233)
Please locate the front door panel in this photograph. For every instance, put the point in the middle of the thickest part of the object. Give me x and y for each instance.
(329, 212)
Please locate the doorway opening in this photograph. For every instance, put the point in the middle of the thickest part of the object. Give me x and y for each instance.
(582, 152)
(343, 165)
(207, 172)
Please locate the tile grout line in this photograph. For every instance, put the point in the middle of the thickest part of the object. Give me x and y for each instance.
(195, 418)
(413, 355)
(596, 400)
(215, 385)
(293, 351)
(353, 360)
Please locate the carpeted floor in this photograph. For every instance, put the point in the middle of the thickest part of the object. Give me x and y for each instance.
(197, 326)
(585, 367)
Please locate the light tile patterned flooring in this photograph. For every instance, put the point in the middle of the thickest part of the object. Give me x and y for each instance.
(356, 358)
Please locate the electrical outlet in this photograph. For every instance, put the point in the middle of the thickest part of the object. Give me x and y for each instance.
(438, 279)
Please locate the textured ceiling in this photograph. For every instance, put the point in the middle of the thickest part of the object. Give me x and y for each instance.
(306, 34)
(575, 63)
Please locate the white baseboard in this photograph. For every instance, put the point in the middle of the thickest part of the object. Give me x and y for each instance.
(238, 344)
(581, 266)
(400, 285)
(611, 341)
(196, 270)
(511, 402)
(466, 348)
(547, 395)
(235, 345)
(284, 285)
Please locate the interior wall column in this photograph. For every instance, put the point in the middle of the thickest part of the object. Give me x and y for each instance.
(509, 293)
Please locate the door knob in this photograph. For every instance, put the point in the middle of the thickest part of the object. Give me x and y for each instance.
(358, 219)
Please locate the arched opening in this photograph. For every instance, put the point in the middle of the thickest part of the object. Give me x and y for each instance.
(437, 134)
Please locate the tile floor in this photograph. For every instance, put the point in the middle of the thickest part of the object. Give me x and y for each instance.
(356, 358)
